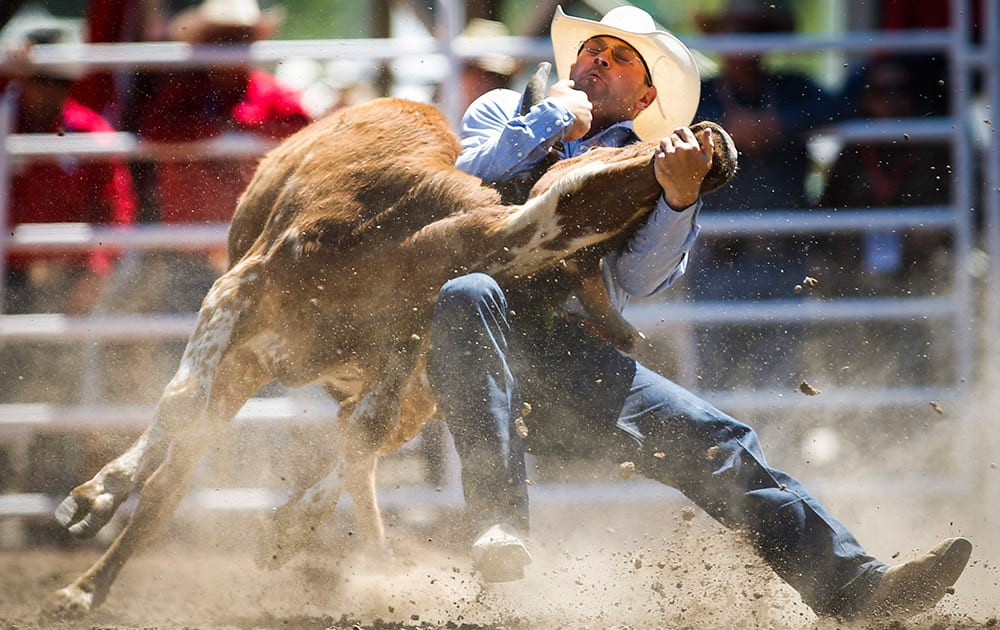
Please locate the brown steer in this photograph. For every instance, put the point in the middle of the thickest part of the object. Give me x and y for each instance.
(338, 249)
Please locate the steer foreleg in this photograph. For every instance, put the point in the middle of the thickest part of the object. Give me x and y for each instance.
(214, 380)
(607, 322)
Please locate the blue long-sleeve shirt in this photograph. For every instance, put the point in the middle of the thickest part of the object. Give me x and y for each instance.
(498, 143)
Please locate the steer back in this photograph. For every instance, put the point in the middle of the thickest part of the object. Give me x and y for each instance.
(331, 210)
(346, 173)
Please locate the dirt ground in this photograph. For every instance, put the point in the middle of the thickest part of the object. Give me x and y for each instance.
(652, 565)
(628, 564)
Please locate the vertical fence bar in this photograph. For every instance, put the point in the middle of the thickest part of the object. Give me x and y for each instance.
(960, 80)
(8, 102)
(991, 303)
(991, 194)
(450, 18)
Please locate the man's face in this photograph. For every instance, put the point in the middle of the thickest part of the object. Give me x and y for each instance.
(614, 77)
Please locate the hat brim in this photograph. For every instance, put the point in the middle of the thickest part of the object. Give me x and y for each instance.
(671, 66)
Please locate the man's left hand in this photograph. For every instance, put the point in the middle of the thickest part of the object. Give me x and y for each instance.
(682, 161)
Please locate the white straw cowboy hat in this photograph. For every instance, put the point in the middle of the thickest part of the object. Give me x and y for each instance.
(33, 25)
(671, 65)
(226, 20)
(494, 62)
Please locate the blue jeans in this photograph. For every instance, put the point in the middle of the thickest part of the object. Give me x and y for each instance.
(588, 400)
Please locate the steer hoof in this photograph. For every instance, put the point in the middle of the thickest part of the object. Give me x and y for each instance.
(82, 517)
(68, 603)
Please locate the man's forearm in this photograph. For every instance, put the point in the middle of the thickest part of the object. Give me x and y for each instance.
(656, 255)
(497, 143)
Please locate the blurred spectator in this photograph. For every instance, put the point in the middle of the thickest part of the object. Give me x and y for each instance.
(56, 190)
(890, 173)
(490, 71)
(191, 106)
(52, 190)
(207, 103)
(768, 115)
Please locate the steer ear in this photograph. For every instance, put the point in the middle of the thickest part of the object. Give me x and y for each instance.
(534, 91)
(724, 156)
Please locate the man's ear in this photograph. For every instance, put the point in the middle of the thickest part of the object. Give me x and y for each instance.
(645, 99)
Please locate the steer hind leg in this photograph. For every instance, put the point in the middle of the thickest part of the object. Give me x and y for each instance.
(158, 499)
(294, 525)
(91, 505)
(364, 435)
(368, 429)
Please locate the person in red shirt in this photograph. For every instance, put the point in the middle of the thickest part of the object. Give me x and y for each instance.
(194, 105)
(59, 189)
(207, 103)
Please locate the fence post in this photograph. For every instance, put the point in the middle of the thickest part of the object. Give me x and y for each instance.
(450, 18)
(8, 101)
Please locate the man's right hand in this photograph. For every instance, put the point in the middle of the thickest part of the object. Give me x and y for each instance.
(577, 102)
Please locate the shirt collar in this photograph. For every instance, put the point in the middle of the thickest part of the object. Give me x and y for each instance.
(617, 135)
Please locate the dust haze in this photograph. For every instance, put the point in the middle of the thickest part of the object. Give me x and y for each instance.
(654, 562)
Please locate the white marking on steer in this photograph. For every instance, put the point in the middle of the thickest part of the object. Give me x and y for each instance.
(292, 235)
(540, 212)
(212, 335)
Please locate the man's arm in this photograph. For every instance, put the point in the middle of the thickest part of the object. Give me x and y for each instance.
(498, 142)
(657, 253)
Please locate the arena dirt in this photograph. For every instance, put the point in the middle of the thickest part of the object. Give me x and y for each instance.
(658, 565)
(641, 565)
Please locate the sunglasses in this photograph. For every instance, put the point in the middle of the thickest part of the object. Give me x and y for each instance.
(621, 53)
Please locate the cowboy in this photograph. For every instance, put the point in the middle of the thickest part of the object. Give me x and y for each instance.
(494, 352)
(490, 70)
